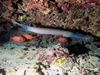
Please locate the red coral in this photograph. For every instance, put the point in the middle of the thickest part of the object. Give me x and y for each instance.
(63, 6)
(60, 53)
(86, 5)
(83, 72)
(47, 19)
(31, 6)
(41, 57)
(14, 17)
(91, 1)
(50, 58)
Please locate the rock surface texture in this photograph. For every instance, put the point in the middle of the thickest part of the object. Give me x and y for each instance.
(81, 15)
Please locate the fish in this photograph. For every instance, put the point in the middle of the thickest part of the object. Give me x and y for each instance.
(51, 31)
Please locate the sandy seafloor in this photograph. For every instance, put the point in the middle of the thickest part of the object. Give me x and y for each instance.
(45, 56)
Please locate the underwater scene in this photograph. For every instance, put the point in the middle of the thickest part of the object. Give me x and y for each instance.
(49, 37)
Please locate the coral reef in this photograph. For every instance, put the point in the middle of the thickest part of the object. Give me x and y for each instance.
(51, 55)
(42, 54)
(54, 60)
(66, 14)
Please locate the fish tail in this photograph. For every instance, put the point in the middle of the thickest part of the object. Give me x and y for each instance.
(75, 35)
